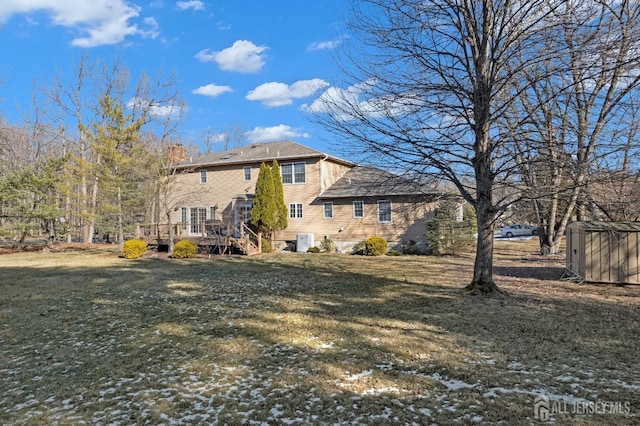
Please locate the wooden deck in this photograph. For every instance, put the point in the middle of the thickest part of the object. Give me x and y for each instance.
(215, 237)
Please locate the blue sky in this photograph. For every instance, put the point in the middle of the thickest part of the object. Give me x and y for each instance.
(253, 64)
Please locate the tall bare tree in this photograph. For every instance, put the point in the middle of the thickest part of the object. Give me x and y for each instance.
(428, 82)
(168, 155)
(574, 122)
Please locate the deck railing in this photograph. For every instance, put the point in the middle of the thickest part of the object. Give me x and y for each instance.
(244, 238)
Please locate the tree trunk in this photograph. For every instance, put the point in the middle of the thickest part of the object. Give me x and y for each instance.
(120, 226)
(171, 237)
(482, 282)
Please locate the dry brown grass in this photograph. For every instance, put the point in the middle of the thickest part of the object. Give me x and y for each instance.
(88, 337)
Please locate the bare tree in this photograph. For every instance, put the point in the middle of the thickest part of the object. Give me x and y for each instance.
(231, 137)
(167, 152)
(70, 101)
(429, 80)
(573, 124)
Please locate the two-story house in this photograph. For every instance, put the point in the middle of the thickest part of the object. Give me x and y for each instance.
(327, 197)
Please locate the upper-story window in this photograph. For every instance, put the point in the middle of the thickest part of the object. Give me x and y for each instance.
(293, 172)
(247, 172)
(203, 176)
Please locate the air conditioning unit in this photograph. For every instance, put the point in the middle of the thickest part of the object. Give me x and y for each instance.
(304, 242)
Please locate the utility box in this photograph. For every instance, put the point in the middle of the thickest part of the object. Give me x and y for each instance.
(604, 252)
(304, 242)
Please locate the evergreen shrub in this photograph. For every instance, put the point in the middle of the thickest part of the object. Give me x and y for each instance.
(184, 249)
(327, 246)
(133, 249)
(372, 246)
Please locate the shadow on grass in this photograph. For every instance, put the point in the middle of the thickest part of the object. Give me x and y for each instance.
(313, 332)
(536, 271)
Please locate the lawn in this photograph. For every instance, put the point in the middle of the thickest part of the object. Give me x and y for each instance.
(89, 338)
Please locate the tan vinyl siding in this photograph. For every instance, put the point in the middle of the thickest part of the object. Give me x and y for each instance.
(330, 172)
(408, 221)
(223, 185)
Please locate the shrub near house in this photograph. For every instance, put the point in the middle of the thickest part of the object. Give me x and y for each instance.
(133, 249)
(184, 249)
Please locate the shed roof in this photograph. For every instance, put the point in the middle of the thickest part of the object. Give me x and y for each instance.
(256, 153)
(365, 181)
(596, 226)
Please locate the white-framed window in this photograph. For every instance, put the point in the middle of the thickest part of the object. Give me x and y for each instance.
(384, 211)
(295, 211)
(183, 218)
(244, 214)
(203, 176)
(358, 209)
(293, 173)
(198, 216)
(247, 173)
(212, 212)
(327, 210)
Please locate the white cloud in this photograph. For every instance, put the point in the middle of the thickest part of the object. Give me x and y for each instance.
(156, 110)
(360, 100)
(276, 94)
(212, 90)
(324, 45)
(243, 56)
(334, 100)
(275, 133)
(99, 22)
(192, 4)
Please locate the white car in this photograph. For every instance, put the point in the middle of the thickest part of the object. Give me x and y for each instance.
(518, 230)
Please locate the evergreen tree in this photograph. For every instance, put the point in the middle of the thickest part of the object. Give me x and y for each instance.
(30, 197)
(448, 232)
(118, 149)
(269, 212)
(282, 213)
(263, 210)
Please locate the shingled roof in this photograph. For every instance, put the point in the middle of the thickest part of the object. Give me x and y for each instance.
(365, 181)
(256, 153)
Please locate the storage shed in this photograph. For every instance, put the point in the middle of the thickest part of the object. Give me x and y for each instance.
(604, 252)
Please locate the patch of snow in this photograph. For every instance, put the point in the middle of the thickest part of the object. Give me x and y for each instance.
(359, 376)
(386, 366)
(379, 391)
(451, 384)
(325, 346)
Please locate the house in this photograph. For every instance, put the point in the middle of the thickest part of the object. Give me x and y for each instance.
(327, 197)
